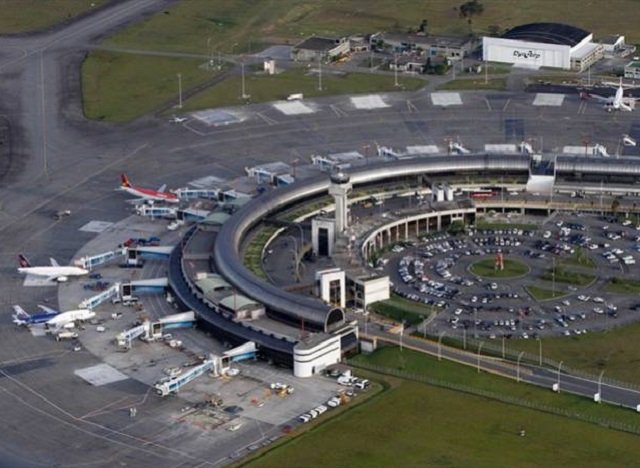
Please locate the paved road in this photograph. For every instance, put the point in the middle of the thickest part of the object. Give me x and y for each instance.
(627, 397)
(57, 160)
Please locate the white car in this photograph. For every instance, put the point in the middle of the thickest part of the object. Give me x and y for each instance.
(598, 300)
(304, 418)
(333, 402)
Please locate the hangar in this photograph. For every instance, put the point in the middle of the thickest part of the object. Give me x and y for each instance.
(544, 45)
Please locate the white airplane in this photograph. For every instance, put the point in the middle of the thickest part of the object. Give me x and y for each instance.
(616, 102)
(176, 119)
(65, 319)
(50, 273)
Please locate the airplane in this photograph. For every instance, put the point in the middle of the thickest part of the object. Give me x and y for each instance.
(176, 119)
(145, 194)
(65, 319)
(53, 272)
(22, 318)
(616, 102)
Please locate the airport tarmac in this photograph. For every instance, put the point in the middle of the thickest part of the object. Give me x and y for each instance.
(59, 161)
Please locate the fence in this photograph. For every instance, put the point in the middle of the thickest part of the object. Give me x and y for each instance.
(611, 424)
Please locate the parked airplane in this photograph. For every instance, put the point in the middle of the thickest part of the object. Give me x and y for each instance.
(53, 272)
(176, 119)
(145, 194)
(616, 102)
(63, 319)
(21, 317)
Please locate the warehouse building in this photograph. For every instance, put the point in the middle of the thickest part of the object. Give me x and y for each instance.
(544, 45)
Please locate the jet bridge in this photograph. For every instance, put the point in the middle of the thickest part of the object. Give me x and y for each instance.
(95, 301)
(174, 384)
(90, 262)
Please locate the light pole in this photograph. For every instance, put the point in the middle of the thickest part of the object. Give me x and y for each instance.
(464, 338)
(600, 386)
(320, 72)
(518, 366)
(503, 347)
(401, 333)
(395, 71)
(479, 349)
(179, 91)
(210, 50)
(244, 94)
(440, 345)
(540, 351)
(559, 369)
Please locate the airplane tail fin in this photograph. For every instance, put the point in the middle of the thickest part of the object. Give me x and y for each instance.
(124, 181)
(20, 313)
(23, 261)
(54, 263)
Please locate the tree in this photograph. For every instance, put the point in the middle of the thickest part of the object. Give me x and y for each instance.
(615, 204)
(471, 8)
(423, 26)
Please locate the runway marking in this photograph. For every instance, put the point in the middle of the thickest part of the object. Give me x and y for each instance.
(339, 112)
(197, 132)
(293, 108)
(368, 102)
(73, 422)
(582, 108)
(83, 181)
(488, 104)
(95, 226)
(268, 120)
(504, 108)
(548, 99)
(411, 107)
(446, 99)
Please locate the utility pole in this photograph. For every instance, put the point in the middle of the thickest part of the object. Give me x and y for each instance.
(320, 72)
(179, 91)
(395, 71)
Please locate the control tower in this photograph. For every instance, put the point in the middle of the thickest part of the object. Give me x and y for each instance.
(339, 189)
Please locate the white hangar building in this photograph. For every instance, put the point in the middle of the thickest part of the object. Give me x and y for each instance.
(544, 45)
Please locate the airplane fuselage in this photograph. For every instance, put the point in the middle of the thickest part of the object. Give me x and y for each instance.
(53, 271)
(64, 318)
(149, 194)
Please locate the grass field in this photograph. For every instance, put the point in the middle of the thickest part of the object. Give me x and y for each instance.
(496, 84)
(568, 277)
(120, 87)
(188, 25)
(543, 294)
(580, 257)
(623, 286)
(30, 15)
(614, 351)
(265, 88)
(399, 308)
(418, 425)
(486, 268)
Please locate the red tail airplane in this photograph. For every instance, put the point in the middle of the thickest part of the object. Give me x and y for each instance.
(145, 194)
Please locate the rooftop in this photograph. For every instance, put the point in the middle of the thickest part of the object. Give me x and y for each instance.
(634, 64)
(429, 40)
(548, 33)
(318, 43)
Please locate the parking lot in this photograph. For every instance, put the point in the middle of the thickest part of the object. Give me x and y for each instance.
(570, 259)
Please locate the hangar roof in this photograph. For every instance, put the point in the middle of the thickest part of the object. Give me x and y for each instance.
(549, 33)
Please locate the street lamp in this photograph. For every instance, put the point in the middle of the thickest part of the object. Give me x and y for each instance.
(440, 344)
(479, 349)
(244, 94)
(540, 350)
(559, 368)
(600, 386)
(518, 366)
(179, 91)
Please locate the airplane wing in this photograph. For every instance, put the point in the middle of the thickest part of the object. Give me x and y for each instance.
(162, 188)
(54, 263)
(48, 310)
(597, 97)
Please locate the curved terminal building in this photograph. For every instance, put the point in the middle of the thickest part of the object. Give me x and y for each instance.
(303, 332)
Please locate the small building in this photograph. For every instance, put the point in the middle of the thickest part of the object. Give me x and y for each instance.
(408, 63)
(269, 66)
(242, 307)
(451, 47)
(537, 45)
(359, 43)
(632, 70)
(612, 44)
(324, 48)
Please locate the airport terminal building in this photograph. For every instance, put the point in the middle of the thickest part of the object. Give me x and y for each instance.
(544, 45)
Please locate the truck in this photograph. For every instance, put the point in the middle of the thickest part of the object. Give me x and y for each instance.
(66, 335)
(295, 97)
